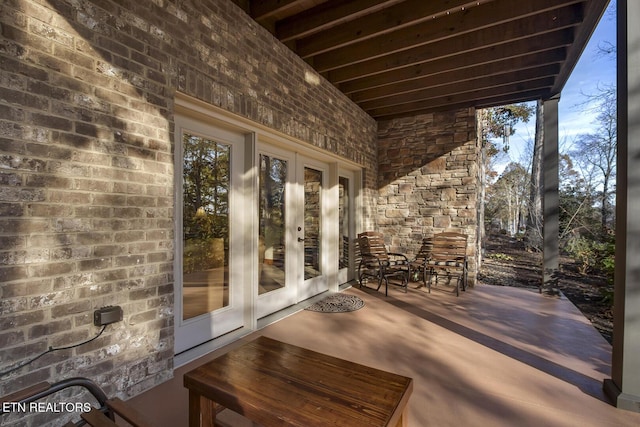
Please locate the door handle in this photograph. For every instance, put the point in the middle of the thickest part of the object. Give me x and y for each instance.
(300, 239)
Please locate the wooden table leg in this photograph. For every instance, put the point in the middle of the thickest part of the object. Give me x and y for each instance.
(402, 422)
(194, 409)
(202, 411)
(208, 411)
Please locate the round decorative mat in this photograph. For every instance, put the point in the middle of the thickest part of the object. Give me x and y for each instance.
(337, 303)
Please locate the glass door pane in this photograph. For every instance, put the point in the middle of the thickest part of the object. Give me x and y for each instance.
(312, 223)
(205, 225)
(311, 220)
(290, 233)
(276, 285)
(344, 221)
(271, 234)
(209, 278)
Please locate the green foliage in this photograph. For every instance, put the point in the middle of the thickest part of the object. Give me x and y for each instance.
(594, 255)
(583, 251)
(203, 254)
(206, 187)
(500, 256)
(607, 295)
(205, 208)
(500, 122)
(609, 259)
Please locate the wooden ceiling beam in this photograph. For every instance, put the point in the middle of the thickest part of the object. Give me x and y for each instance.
(262, 9)
(512, 98)
(404, 57)
(526, 52)
(502, 69)
(327, 15)
(472, 24)
(390, 20)
(593, 13)
(484, 103)
(478, 84)
(507, 94)
(456, 45)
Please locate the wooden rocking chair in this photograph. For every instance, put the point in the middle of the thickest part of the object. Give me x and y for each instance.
(449, 253)
(377, 263)
(419, 264)
(104, 416)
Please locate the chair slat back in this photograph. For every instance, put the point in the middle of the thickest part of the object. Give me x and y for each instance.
(425, 251)
(449, 246)
(372, 245)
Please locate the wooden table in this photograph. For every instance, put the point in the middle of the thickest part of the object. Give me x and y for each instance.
(278, 384)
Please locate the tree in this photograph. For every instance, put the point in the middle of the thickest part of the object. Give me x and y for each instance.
(577, 213)
(596, 152)
(495, 124)
(205, 210)
(507, 198)
(587, 192)
(500, 122)
(535, 220)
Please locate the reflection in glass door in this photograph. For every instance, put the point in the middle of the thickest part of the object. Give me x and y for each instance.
(291, 266)
(271, 234)
(344, 225)
(276, 280)
(312, 223)
(209, 280)
(205, 220)
(311, 256)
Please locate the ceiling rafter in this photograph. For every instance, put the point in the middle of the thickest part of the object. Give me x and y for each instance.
(390, 21)
(457, 45)
(404, 57)
(475, 74)
(476, 84)
(448, 105)
(545, 47)
(327, 15)
(442, 47)
(538, 85)
(262, 9)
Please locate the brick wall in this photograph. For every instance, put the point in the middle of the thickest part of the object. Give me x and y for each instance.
(86, 184)
(428, 179)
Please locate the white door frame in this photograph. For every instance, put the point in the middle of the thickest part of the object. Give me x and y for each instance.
(328, 217)
(285, 296)
(246, 246)
(194, 331)
(296, 288)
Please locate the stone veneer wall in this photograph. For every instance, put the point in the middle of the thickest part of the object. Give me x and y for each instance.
(428, 180)
(86, 167)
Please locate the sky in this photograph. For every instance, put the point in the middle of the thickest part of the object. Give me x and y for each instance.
(592, 69)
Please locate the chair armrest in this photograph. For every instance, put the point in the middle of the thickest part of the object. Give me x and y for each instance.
(398, 255)
(95, 418)
(127, 413)
(25, 393)
(403, 258)
(371, 257)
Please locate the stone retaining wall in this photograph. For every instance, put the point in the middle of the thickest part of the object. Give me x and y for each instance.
(428, 179)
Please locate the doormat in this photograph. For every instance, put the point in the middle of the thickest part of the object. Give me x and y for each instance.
(337, 303)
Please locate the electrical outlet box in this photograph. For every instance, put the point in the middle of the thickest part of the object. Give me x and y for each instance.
(107, 315)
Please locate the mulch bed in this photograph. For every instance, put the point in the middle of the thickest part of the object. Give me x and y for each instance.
(507, 263)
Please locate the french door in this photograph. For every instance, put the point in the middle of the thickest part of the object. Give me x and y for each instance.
(291, 233)
(209, 270)
(259, 226)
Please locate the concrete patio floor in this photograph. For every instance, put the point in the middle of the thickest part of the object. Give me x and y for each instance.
(495, 356)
